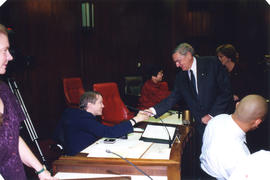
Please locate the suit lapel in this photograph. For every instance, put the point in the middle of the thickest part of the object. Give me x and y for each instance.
(201, 76)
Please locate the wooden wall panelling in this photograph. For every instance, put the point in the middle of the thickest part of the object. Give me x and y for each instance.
(47, 30)
(124, 33)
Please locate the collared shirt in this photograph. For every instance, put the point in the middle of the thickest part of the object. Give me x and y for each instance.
(194, 69)
(223, 147)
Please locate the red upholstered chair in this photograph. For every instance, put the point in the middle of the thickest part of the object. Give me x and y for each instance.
(114, 110)
(73, 89)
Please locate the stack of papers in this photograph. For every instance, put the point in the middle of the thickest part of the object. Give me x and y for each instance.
(127, 148)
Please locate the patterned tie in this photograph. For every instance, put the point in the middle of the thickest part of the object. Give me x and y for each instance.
(193, 82)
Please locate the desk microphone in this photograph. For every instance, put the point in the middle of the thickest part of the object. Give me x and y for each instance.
(109, 151)
(170, 139)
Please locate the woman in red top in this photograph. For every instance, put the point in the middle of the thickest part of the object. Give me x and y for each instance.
(154, 89)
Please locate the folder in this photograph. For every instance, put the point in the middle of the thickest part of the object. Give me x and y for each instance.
(158, 133)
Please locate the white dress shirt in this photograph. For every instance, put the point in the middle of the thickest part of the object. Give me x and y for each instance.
(255, 167)
(194, 69)
(223, 147)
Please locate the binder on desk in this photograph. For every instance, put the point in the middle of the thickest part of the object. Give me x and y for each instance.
(158, 133)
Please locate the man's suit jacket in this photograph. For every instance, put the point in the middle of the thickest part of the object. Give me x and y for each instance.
(214, 90)
(78, 129)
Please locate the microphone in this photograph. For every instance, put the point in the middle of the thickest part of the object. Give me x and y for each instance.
(108, 151)
(170, 139)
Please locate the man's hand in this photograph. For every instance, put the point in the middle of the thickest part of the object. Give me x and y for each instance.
(141, 116)
(235, 98)
(206, 118)
(148, 112)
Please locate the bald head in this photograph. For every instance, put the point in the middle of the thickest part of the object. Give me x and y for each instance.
(250, 108)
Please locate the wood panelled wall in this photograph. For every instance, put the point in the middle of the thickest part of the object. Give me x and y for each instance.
(126, 32)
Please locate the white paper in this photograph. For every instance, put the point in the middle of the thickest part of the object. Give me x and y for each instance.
(69, 175)
(128, 148)
(135, 136)
(158, 132)
(138, 129)
(168, 118)
(158, 151)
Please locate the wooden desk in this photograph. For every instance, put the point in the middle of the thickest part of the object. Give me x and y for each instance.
(104, 178)
(158, 167)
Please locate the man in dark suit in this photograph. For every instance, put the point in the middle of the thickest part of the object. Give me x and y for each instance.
(203, 84)
(208, 95)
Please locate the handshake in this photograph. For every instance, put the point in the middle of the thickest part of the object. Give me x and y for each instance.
(144, 115)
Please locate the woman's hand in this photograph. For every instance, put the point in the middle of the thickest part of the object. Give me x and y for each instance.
(46, 175)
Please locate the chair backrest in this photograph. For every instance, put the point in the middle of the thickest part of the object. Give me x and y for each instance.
(114, 110)
(133, 85)
(73, 89)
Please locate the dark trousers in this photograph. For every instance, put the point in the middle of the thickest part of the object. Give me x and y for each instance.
(199, 130)
(205, 176)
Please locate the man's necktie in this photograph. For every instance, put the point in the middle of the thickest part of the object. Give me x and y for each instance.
(193, 82)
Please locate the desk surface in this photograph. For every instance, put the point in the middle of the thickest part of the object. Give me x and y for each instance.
(170, 117)
(158, 167)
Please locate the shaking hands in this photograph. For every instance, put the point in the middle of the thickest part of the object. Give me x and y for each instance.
(144, 115)
(141, 116)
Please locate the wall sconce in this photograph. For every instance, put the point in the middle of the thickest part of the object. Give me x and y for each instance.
(88, 15)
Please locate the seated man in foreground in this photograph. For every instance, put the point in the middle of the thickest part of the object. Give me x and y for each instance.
(224, 139)
(81, 128)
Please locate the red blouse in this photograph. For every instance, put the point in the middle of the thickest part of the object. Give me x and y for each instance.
(152, 93)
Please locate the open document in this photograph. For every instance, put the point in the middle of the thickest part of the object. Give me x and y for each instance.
(158, 133)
